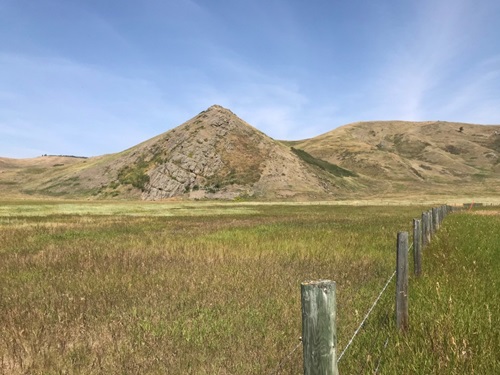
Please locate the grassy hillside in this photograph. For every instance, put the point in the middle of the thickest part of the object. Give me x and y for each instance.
(64, 177)
(217, 155)
(329, 167)
(400, 156)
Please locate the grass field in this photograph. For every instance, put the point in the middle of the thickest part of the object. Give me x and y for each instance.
(92, 288)
(454, 307)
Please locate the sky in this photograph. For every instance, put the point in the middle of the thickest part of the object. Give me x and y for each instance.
(92, 77)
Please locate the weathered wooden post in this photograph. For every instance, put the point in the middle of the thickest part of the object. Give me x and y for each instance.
(442, 214)
(435, 220)
(319, 334)
(426, 229)
(402, 282)
(417, 246)
(431, 224)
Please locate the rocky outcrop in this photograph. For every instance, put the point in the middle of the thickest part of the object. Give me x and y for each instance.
(218, 155)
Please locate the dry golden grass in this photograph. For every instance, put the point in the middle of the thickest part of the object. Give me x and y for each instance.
(431, 158)
(180, 288)
(212, 290)
(486, 213)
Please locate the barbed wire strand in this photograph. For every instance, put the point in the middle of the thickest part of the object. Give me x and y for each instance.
(286, 358)
(366, 317)
(368, 313)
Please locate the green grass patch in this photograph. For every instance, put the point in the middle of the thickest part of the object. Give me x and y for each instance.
(135, 174)
(35, 170)
(323, 164)
(453, 309)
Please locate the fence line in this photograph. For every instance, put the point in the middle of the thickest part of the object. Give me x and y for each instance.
(436, 215)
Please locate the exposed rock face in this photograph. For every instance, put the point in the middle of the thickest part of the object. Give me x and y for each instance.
(218, 155)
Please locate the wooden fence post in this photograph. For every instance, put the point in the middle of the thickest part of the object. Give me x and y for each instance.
(426, 229)
(435, 220)
(319, 334)
(417, 246)
(402, 282)
(431, 224)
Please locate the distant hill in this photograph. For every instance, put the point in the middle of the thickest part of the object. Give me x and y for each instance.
(217, 155)
(433, 157)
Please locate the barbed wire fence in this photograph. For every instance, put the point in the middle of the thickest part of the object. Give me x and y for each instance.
(438, 215)
(287, 357)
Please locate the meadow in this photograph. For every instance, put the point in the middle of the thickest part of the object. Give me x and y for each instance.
(89, 288)
(453, 307)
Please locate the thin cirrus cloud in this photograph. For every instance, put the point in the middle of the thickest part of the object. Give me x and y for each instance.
(272, 103)
(478, 100)
(440, 71)
(60, 106)
(90, 78)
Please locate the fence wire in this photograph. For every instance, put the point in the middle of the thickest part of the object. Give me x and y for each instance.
(368, 313)
(288, 356)
(379, 360)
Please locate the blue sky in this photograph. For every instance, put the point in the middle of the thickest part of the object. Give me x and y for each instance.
(89, 77)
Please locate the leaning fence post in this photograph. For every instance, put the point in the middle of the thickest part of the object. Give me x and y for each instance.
(402, 282)
(319, 335)
(417, 246)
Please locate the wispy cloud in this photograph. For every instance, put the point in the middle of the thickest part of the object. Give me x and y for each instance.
(477, 100)
(434, 57)
(47, 100)
(92, 78)
(272, 103)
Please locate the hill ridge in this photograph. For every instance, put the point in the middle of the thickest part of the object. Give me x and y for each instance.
(217, 155)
